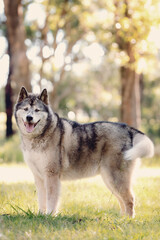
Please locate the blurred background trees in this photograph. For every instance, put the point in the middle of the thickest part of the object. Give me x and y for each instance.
(19, 65)
(98, 59)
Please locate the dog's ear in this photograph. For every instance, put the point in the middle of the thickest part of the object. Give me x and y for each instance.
(44, 96)
(22, 95)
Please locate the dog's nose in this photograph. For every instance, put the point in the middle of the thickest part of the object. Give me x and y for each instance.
(29, 118)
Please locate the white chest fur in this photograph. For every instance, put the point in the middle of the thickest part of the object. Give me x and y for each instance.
(36, 162)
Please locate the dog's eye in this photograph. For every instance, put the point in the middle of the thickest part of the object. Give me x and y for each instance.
(37, 110)
(26, 109)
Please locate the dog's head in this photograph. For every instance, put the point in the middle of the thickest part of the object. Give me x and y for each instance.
(32, 112)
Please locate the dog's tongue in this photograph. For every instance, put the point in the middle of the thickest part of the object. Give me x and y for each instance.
(29, 127)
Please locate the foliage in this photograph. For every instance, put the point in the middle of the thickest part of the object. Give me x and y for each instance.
(130, 25)
(55, 38)
(10, 151)
(96, 96)
(57, 43)
(88, 211)
(2, 97)
(150, 110)
(122, 27)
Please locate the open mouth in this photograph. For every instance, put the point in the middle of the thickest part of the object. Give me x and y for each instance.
(30, 126)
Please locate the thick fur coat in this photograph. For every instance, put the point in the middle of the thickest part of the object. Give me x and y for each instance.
(56, 149)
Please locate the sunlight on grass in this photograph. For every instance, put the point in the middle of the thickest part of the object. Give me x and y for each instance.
(87, 211)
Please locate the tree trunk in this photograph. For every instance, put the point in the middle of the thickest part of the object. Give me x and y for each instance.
(19, 64)
(8, 101)
(130, 91)
(16, 37)
(130, 80)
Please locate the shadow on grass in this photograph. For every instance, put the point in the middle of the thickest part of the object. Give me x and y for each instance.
(35, 222)
(29, 220)
(20, 224)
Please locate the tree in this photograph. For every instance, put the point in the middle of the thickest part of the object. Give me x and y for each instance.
(130, 79)
(133, 21)
(129, 27)
(122, 27)
(63, 28)
(19, 65)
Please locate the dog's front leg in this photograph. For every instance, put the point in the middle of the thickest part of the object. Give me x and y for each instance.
(52, 183)
(41, 194)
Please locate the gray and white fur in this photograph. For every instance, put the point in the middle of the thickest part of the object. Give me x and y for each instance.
(58, 149)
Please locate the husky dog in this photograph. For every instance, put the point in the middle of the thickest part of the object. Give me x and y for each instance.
(56, 149)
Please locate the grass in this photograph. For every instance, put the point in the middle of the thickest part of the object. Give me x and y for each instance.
(87, 211)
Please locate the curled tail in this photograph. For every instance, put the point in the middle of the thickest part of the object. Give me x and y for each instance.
(142, 147)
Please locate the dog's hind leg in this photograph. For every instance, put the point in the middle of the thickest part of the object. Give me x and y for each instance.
(119, 183)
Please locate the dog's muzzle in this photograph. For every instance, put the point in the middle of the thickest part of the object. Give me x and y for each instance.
(29, 124)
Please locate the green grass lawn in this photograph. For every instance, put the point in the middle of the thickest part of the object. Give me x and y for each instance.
(87, 211)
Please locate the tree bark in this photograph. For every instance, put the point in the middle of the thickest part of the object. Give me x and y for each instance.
(19, 65)
(130, 92)
(130, 80)
(9, 112)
